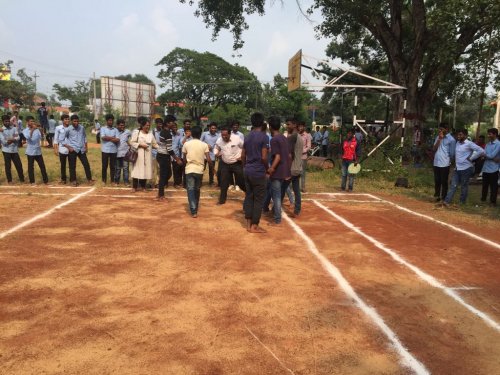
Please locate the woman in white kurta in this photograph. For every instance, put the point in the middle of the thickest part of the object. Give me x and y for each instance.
(142, 141)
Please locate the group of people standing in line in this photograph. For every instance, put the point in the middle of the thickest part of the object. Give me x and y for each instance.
(463, 153)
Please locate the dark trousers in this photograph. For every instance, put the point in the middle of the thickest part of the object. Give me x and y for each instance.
(490, 180)
(62, 159)
(211, 169)
(108, 159)
(227, 171)
(72, 165)
(13, 158)
(178, 172)
(98, 138)
(441, 181)
(21, 139)
(41, 165)
(324, 150)
(165, 165)
(50, 137)
(254, 198)
(136, 182)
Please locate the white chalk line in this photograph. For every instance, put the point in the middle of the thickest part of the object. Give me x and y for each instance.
(44, 214)
(423, 275)
(269, 350)
(408, 360)
(452, 227)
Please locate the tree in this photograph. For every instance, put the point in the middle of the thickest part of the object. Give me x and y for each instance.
(418, 44)
(78, 94)
(138, 78)
(277, 101)
(204, 81)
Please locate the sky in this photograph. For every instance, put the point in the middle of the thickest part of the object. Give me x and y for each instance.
(69, 40)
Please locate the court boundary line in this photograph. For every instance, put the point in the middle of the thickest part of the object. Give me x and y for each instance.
(408, 360)
(431, 280)
(454, 228)
(44, 214)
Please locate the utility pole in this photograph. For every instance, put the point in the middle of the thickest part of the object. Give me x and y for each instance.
(455, 111)
(483, 87)
(35, 77)
(94, 103)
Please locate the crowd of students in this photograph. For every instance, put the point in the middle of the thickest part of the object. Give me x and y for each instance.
(465, 155)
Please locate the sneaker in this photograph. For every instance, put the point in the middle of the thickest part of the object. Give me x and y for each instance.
(237, 188)
(232, 187)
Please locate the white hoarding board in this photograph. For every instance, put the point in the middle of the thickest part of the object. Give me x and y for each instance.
(131, 99)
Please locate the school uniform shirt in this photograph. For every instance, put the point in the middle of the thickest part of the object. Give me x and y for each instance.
(108, 146)
(59, 138)
(230, 152)
(33, 142)
(492, 151)
(20, 126)
(195, 151)
(239, 134)
(123, 145)
(324, 138)
(317, 137)
(9, 133)
(464, 151)
(76, 138)
(445, 151)
(210, 140)
(156, 134)
(177, 145)
(52, 126)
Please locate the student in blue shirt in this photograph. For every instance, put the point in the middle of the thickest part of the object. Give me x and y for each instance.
(210, 138)
(9, 139)
(444, 152)
(34, 151)
(59, 149)
(109, 147)
(491, 166)
(76, 143)
(465, 152)
(122, 164)
(177, 170)
(325, 141)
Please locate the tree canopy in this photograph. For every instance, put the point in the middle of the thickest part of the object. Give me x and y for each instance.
(204, 82)
(137, 78)
(78, 94)
(430, 47)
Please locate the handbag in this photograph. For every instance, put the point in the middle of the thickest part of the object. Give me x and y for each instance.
(132, 154)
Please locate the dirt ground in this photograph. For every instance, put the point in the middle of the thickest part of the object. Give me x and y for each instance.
(116, 283)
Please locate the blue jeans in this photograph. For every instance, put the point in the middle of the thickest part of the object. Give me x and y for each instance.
(193, 184)
(277, 196)
(294, 182)
(345, 175)
(462, 178)
(121, 164)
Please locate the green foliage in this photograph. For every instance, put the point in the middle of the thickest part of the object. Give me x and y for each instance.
(78, 94)
(138, 78)
(204, 82)
(277, 101)
(432, 48)
(226, 113)
(21, 91)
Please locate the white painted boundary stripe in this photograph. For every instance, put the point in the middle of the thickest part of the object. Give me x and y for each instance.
(423, 275)
(28, 193)
(43, 214)
(452, 227)
(408, 360)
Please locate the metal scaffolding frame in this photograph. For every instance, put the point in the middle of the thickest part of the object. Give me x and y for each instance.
(132, 99)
